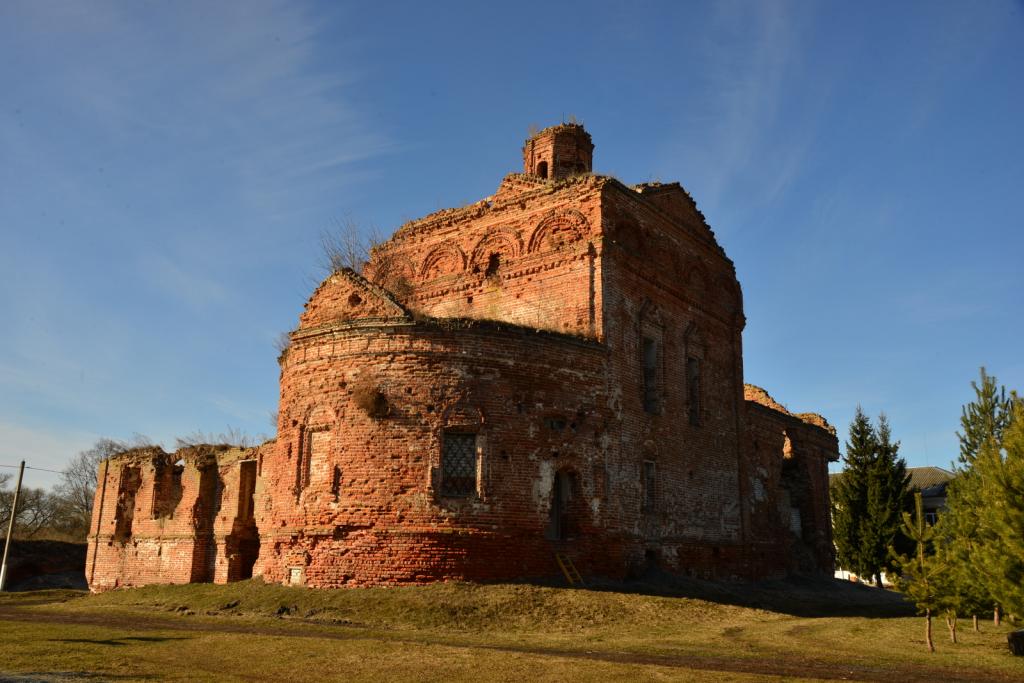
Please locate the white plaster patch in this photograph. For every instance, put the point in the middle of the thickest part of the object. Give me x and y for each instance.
(543, 484)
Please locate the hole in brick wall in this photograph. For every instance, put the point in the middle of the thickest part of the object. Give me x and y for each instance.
(430, 409)
(504, 455)
(542, 169)
(651, 558)
(370, 398)
(493, 265)
(555, 423)
(243, 543)
(204, 514)
(469, 299)
(408, 390)
(336, 482)
(354, 299)
(167, 489)
(131, 479)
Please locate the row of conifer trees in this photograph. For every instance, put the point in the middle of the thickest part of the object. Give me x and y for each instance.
(971, 562)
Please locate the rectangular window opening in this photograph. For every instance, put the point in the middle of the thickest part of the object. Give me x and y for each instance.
(458, 464)
(650, 486)
(693, 392)
(652, 399)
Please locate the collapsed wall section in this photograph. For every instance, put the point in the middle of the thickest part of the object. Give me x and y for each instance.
(178, 517)
(785, 484)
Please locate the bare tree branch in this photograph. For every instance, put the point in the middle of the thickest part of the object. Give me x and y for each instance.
(346, 245)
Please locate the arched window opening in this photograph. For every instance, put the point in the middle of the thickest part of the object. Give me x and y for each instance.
(542, 170)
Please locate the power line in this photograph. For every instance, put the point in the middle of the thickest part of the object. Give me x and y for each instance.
(27, 467)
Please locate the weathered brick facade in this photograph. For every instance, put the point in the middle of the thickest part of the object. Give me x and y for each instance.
(556, 368)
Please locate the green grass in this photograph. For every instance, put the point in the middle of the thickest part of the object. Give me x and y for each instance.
(454, 632)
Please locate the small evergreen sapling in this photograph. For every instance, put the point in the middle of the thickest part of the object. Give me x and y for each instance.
(920, 576)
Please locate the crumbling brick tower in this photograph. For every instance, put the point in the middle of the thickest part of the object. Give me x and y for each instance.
(556, 368)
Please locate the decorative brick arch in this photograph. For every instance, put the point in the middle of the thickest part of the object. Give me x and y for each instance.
(319, 416)
(558, 229)
(650, 314)
(693, 339)
(393, 272)
(445, 259)
(501, 241)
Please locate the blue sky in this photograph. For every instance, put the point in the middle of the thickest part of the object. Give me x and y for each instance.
(166, 170)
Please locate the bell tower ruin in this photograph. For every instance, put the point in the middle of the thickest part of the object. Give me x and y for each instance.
(559, 152)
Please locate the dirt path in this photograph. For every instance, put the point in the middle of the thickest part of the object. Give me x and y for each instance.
(781, 665)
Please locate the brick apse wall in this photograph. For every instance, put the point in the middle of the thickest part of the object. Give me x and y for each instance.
(556, 368)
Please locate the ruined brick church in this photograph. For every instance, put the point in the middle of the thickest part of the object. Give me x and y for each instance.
(555, 369)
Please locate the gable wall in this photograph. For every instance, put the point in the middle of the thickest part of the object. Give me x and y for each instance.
(548, 247)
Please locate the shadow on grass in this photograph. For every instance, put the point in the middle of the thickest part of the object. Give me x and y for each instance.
(51, 676)
(800, 596)
(119, 642)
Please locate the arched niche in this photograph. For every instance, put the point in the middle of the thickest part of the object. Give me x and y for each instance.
(496, 248)
(558, 229)
(445, 259)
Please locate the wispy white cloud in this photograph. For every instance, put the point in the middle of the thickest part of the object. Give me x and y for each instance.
(748, 51)
(236, 93)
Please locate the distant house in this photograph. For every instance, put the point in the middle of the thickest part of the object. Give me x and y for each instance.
(930, 481)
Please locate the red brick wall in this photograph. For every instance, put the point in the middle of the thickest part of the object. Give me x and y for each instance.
(178, 534)
(786, 467)
(537, 403)
(528, 255)
(667, 280)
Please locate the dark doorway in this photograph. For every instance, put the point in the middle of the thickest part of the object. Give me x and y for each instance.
(559, 527)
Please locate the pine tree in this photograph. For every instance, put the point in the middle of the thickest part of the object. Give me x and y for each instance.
(850, 495)
(1000, 472)
(958, 533)
(920, 576)
(888, 498)
(982, 419)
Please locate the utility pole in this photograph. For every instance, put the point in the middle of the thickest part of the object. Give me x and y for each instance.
(10, 526)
